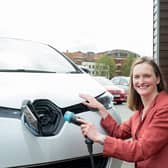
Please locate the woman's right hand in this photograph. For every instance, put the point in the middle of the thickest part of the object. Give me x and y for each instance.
(91, 102)
(89, 130)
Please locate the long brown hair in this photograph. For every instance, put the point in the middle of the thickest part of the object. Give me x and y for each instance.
(134, 101)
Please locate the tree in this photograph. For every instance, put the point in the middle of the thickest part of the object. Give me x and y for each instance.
(125, 68)
(105, 66)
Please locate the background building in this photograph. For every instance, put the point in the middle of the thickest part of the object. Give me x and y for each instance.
(88, 59)
(119, 57)
(91, 66)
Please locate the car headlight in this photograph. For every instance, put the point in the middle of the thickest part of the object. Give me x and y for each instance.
(106, 99)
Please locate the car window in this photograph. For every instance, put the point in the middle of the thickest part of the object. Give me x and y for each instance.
(123, 82)
(20, 54)
(116, 81)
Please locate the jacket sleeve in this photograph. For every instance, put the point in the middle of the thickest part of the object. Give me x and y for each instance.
(153, 139)
(114, 129)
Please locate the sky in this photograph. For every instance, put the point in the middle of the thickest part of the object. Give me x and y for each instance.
(81, 25)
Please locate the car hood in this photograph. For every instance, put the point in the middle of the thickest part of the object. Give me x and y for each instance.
(62, 89)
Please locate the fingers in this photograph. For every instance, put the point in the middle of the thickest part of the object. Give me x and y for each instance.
(89, 100)
(84, 126)
(86, 102)
(86, 97)
(82, 121)
(85, 129)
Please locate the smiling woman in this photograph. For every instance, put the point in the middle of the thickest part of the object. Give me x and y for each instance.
(145, 82)
(148, 97)
(151, 81)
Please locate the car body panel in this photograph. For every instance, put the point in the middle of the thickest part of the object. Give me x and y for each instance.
(63, 89)
(32, 149)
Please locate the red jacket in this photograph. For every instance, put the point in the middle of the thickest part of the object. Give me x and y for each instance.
(149, 145)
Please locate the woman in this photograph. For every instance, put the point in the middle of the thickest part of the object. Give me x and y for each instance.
(148, 127)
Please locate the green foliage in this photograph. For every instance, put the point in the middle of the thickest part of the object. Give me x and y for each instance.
(105, 66)
(125, 69)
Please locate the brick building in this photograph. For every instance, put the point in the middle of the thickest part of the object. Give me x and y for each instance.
(88, 59)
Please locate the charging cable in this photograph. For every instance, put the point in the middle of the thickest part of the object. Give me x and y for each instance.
(89, 144)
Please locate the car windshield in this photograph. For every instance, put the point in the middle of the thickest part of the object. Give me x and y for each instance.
(27, 56)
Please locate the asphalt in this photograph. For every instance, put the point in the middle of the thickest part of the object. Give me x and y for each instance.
(127, 165)
(125, 113)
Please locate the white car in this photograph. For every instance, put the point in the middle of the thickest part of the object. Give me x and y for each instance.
(38, 84)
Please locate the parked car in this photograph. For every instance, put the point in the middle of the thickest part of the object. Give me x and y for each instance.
(38, 84)
(119, 95)
(122, 82)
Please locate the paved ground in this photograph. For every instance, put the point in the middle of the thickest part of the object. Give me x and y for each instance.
(125, 113)
(127, 165)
